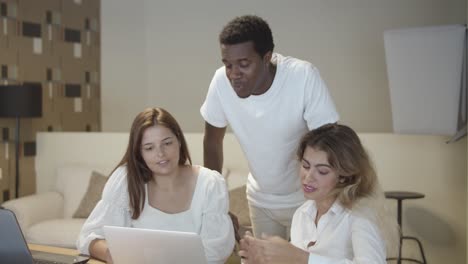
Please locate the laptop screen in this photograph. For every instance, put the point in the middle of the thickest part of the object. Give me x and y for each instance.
(14, 249)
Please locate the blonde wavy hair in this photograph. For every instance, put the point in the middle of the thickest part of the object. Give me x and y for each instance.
(358, 188)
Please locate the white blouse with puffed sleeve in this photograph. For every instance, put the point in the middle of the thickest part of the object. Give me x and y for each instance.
(207, 215)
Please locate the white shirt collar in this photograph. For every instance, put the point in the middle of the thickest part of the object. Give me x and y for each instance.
(311, 208)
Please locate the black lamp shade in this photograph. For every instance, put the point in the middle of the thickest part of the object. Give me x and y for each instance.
(21, 100)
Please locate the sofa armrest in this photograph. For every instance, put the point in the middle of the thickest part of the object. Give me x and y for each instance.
(36, 208)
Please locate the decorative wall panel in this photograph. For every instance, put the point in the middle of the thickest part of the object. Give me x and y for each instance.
(56, 44)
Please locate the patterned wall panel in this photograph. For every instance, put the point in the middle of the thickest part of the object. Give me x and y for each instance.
(55, 44)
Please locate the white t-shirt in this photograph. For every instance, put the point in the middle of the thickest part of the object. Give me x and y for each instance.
(207, 215)
(269, 126)
(341, 236)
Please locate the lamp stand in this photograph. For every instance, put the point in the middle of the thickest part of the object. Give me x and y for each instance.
(17, 101)
(17, 149)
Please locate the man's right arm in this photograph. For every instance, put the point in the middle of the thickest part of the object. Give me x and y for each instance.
(213, 159)
(213, 147)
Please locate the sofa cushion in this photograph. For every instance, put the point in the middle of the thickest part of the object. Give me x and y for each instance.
(57, 232)
(92, 196)
(72, 182)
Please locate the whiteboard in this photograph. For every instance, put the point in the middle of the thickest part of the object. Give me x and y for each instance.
(424, 67)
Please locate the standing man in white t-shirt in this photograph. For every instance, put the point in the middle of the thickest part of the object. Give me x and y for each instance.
(269, 101)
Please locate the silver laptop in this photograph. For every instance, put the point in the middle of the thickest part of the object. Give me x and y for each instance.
(145, 246)
(13, 247)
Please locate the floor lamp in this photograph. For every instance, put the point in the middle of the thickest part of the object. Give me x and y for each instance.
(20, 101)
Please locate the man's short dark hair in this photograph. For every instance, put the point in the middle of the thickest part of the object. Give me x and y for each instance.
(248, 28)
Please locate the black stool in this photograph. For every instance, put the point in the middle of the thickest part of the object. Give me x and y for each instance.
(400, 196)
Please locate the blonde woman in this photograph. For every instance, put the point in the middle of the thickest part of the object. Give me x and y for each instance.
(343, 219)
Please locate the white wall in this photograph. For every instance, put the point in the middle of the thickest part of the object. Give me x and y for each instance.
(426, 164)
(163, 53)
(123, 63)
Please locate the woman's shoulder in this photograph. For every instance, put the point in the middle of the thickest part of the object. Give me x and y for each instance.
(211, 179)
(117, 182)
(119, 175)
(209, 174)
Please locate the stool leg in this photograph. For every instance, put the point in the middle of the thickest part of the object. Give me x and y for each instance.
(422, 251)
(401, 232)
(420, 247)
(399, 215)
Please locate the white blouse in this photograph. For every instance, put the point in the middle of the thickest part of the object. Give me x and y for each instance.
(207, 215)
(341, 236)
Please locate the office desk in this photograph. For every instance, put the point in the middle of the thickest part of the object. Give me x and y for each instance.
(65, 251)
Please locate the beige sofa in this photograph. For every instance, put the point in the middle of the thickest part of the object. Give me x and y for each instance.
(47, 217)
(423, 164)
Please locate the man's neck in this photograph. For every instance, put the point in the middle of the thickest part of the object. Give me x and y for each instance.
(268, 81)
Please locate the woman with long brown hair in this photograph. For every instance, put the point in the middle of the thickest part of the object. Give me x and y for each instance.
(155, 186)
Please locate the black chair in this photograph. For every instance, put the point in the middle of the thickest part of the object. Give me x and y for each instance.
(400, 196)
